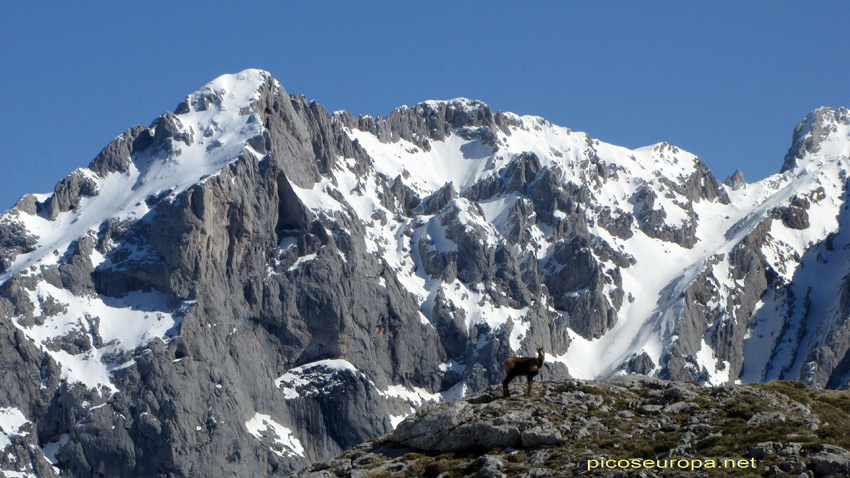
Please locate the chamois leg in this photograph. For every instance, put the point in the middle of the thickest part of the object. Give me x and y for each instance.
(530, 378)
(505, 383)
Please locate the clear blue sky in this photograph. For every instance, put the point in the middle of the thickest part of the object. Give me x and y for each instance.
(725, 80)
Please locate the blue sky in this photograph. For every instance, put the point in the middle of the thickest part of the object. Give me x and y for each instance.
(725, 80)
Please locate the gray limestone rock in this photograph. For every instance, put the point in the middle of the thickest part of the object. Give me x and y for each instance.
(430, 431)
(27, 204)
(703, 185)
(490, 467)
(263, 287)
(184, 406)
(794, 215)
(761, 450)
(433, 120)
(641, 364)
(534, 437)
(736, 180)
(766, 417)
(14, 240)
(576, 283)
(619, 225)
(437, 200)
(831, 461)
(810, 133)
(653, 221)
(68, 193)
(116, 157)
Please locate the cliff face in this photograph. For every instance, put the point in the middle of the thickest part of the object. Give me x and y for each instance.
(174, 329)
(251, 284)
(618, 426)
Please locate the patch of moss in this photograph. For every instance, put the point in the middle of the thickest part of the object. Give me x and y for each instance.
(516, 457)
(796, 391)
(745, 406)
(662, 442)
(373, 461)
(412, 456)
(380, 474)
(832, 408)
(737, 437)
(704, 401)
(835, 422)
(433, 466)
(515, 468)
(590, 390)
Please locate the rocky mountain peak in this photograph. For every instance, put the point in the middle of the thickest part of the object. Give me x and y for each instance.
(267, 284)
(435, 120)
(823, 127)
(736, 180)
(457, 112)
(233, 91)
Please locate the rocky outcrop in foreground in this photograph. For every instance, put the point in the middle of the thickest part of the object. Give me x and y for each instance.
(622, 426)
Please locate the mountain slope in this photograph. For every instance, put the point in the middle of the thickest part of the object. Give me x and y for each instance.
(252, 283)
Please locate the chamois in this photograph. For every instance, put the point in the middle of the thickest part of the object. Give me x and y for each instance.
(528, 366)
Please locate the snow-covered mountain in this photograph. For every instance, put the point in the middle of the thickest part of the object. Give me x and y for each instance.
(251, 283)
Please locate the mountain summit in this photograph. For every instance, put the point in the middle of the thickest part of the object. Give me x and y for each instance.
(251, 283)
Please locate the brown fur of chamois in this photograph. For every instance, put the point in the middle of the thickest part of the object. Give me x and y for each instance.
(522, 366)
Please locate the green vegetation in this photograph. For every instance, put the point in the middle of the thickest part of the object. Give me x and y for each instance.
(431, 466)
(654, 421)
(832, 407)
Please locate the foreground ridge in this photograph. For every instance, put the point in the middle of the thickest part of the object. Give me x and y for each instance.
(611, 426)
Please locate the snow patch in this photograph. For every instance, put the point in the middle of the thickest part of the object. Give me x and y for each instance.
(457, 392)
(111, 326)
(50, 450)
(11, 422)
(277, 437)
(414, 395)
(396, 419)
(718, 371)
(313, 378)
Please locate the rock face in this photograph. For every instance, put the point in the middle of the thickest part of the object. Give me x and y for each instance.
(736, 180)
(572, 428)
(816, 129)
(251, 284)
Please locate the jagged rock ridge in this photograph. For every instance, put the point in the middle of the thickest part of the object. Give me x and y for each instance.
(251, 283)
